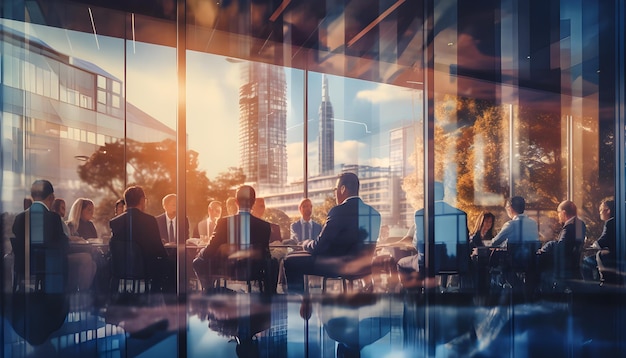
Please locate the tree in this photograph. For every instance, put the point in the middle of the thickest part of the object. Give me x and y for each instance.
(320, 212)
(226, 184)
(472, 153)
(278, 217)
(114, 166)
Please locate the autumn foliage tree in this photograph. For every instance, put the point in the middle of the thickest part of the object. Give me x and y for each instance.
(473, 155)
(114, 166)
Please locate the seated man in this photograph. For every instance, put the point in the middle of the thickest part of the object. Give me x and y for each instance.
(48, 245)
(231, 234)
(168, 220)
(134, 225)
(349, 227)
(560, 258)
(305, 228)
(205, 228)
(603, 265)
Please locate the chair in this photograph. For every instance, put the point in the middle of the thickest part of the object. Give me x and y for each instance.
(47, 267)
(520, 265)
(347, 269)
(251, 265)
(128, 274)
(566, 265)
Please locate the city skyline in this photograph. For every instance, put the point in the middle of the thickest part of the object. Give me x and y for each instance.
(360, 107)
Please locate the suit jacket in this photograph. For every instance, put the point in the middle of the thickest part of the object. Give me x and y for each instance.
(230, 232)
(201, 229)
(607, 238)
(135, 225)
(48, 245)
(349, 226)
(164, 231)
(564, 252)
(297, 234)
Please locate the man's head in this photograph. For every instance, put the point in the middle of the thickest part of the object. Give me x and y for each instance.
(347, 186)
(245, 197)
(231, 206)
(58, 206)
(566, 210)
(515, 206)
(306, 208)
(215, 209)
(258, 208)
(42, 190)
(135, 197)
(120, 205)
(169, 205)
(27, 203)
(607, 208)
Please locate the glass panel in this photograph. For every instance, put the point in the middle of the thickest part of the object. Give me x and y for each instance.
(285, 96)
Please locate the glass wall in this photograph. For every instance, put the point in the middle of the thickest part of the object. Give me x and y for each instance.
(493, 99)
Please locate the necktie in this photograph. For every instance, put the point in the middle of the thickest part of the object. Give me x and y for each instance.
(171, 233)
(306, 227)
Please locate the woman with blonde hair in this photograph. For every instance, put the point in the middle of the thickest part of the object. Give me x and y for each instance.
(79, 221)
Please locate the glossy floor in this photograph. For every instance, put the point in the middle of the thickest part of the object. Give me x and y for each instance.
(582, 323)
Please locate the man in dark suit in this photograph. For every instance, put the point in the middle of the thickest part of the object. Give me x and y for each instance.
(560, 258)
(48, 243)
(36, 315)
(349, 227)
(305, 228)
(135, 225)
(233, 233)
(167, 221)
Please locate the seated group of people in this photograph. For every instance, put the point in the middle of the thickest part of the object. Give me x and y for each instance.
(551, 261)
(559, 258)
(343, 247)
(349, 227)
(83, 264)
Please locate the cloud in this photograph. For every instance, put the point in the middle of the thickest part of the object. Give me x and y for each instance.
(385, 93)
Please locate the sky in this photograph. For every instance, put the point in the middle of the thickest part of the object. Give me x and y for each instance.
(364, 111)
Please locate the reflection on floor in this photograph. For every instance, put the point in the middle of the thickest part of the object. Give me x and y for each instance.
(229, 323)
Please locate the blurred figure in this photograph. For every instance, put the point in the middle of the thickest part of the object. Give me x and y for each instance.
(205, 228)
(79, 221)
(58, 206)
(231, 206)
(305, 228)
(450, 229)
(27, 202)
(39, 232)
(167, 221)
(45, 234)
(483, 229)
(349, 229)
(258, 210)
(120, 207)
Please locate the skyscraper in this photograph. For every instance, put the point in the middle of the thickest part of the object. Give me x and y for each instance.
(326, 143)
(263, 125)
